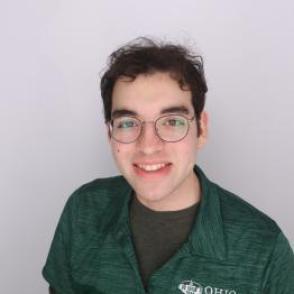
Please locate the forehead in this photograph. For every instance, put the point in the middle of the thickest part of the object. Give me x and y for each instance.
(148, 95)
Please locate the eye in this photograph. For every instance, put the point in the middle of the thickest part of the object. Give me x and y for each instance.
(125, 123)
(174, 122)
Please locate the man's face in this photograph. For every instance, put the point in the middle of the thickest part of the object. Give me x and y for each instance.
(147, 98)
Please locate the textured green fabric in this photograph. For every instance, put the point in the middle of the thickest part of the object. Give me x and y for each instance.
(158, 235)
(233, 248)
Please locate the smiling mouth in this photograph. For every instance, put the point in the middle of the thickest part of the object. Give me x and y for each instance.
(152, 167)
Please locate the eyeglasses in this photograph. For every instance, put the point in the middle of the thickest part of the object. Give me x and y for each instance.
(169, 128)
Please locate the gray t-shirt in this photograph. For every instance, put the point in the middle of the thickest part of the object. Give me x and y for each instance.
(157, 235)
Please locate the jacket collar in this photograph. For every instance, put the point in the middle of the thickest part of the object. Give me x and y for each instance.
(207, 234)
(207, 238)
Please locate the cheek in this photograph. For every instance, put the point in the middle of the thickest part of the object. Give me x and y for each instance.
(116, 153)
(120, 152)
(186, 149)
(115, 150)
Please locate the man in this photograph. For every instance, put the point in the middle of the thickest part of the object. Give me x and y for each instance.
(162, 227)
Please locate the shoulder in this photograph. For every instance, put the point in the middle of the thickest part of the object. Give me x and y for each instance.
(97, 202)
(102, 191)
(246, 227)
(237, 210)
(102, 184)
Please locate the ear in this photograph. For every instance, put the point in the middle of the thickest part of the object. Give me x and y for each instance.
(203, 121)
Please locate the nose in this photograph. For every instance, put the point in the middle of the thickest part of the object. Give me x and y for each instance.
(149, 142)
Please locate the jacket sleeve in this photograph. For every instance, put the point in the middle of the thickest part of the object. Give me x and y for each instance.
(279, 274)
(57, 270)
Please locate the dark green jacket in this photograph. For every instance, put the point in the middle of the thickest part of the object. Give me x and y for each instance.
(233, 247)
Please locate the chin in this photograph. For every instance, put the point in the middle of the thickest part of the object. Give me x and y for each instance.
(151, 195)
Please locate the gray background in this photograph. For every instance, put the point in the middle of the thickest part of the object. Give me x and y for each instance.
(52, 133)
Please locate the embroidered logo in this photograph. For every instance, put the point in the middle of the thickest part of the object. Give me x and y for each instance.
(191, 287)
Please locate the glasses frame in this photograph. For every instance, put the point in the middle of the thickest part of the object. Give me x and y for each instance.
(154, 122)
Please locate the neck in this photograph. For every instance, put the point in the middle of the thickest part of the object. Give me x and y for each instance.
(183, 197)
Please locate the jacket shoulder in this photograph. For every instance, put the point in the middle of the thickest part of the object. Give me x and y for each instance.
(253, 239)
(236, 210)
(103, 189)
(98, 201)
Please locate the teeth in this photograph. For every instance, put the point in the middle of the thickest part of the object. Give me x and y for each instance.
(152, 167)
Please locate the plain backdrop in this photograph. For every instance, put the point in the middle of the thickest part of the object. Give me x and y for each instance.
(52, 134)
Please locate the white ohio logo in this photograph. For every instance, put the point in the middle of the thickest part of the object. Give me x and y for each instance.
(191, 287)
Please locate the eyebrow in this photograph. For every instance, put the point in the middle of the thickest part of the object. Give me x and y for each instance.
(173, 109)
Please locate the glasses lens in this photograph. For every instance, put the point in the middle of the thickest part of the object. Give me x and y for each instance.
(172, 128)
(125, 129)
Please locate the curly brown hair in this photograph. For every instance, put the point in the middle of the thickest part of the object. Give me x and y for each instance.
(145, 56)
